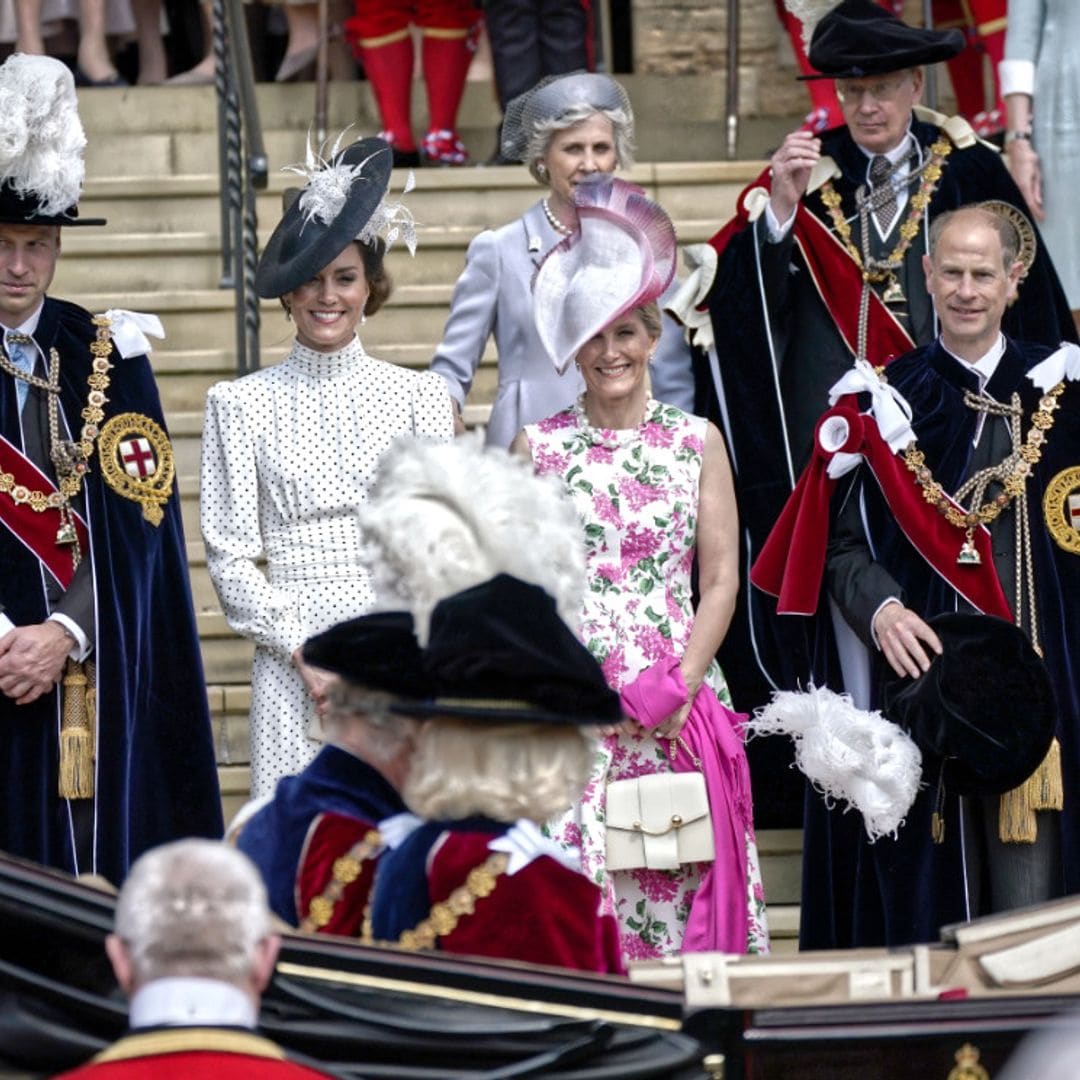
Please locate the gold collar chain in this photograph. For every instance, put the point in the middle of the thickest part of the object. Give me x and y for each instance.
(345, 871)
(909, 229)
(70, 458)
(1012, 473)
(444, 916)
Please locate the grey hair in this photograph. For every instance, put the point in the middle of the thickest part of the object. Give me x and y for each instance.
(545, 130)
(352, 704)
(192, 908)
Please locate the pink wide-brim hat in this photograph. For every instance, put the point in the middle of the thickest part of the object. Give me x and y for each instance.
(622, 255)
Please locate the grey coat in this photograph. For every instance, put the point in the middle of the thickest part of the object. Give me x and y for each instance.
(493, 296)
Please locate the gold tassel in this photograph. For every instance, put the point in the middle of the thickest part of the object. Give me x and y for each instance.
(1042, 790)
(76, 736)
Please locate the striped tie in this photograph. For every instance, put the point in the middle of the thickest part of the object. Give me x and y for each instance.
(884, 193)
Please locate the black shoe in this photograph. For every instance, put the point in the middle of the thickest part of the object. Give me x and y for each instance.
(405, 159)
(82, 79)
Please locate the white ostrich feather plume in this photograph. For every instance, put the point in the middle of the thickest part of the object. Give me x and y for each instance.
(809, 13)
(41, 135)
(848, 754)
(445, 517)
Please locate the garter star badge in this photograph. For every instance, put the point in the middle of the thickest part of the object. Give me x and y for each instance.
(1061, 509)
(137, 462)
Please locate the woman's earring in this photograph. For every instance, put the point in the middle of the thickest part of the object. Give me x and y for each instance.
(363, 318)
(541, 168)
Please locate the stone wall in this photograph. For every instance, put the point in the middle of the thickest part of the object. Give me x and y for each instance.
(689, 37)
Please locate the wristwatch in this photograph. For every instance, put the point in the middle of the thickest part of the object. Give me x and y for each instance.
(1017, 136)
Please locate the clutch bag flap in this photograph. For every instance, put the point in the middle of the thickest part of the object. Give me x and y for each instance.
(658, 821)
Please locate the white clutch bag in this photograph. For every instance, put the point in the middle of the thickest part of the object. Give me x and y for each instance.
(658, 821)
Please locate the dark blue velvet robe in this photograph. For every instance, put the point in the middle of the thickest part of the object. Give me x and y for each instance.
(903, 890)
(771, 411)
(335, 782)
(156, 778)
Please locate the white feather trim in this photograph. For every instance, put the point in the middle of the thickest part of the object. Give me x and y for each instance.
(445, 517)
(327, 187)
(848, 754)
(41, 135)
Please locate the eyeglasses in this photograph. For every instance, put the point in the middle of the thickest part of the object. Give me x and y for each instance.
(852, 91)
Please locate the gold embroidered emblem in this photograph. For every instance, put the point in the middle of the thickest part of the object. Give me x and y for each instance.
(1061, 509)
(137, 462)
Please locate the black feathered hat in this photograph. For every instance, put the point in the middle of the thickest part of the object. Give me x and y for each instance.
(858, 38)
(334, 208)
(985, 707)
(41, 144)
(499, 652)
(378, 651)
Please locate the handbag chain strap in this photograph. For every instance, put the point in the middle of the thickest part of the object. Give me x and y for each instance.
(673, 749)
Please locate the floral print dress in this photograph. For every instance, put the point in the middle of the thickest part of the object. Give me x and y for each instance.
(636, 492)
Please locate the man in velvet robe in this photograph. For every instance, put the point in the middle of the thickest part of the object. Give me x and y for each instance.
(93, 567)
(895, 560)
(784, 297)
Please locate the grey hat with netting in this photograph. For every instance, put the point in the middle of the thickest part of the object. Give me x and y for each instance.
(551, 98)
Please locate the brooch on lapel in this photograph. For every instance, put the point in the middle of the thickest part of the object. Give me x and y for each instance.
(137, 462)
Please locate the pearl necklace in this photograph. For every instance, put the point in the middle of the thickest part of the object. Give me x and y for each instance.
(553, 221)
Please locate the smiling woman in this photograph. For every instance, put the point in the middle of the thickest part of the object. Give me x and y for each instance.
(568, 129)
(653, 490)
(290, 452)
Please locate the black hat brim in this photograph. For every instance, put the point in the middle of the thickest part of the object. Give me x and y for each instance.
(858, 38)
(499, 653)
(298, 249)
(985, 708)
(378, 651)
(22, 209)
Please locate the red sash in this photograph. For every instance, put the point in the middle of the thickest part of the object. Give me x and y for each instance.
(837, 278)
(792, 559)
(37, 531)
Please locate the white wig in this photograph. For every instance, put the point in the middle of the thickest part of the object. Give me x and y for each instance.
(445, 517)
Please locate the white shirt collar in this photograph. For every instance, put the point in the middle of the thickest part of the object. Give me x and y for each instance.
(187, 1001)
(986, 365)
(28, 327)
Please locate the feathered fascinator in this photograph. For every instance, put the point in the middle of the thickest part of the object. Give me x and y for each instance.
(621, 255)
(344, 198)
(41, 143)
(444, 517)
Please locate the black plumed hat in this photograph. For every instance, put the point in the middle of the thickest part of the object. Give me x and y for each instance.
(985, 707)
(859, 38)
(499, 652)
(378, 651)
(331, 211)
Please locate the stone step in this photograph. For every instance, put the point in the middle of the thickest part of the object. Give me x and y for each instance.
(172, 130)
(443, 198)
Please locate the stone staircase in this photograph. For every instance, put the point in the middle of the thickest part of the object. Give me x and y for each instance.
(152, 168)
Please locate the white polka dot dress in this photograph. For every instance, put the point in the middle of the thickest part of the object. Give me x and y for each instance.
(289, 455)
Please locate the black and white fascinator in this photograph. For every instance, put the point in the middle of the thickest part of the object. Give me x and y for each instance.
(344, 198)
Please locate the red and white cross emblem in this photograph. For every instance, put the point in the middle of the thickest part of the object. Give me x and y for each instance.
(137, 457)
(1074, 511)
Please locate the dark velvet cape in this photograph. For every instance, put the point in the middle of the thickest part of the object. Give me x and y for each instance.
(778, 359)
(335, 782)
(903, 890)
(779, 352)
(156, 777)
